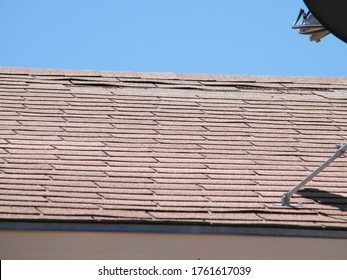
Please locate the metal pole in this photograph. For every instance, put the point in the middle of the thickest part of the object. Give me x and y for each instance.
(340, 150)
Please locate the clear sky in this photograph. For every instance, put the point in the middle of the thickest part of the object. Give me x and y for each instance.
(183, 36)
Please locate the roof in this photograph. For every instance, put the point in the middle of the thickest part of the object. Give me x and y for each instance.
(151, 148)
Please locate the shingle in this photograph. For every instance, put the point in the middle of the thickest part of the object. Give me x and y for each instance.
(96, 213)
(18, 210)
(162, 147)
(170, 215)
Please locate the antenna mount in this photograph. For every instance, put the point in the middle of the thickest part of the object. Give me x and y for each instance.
(340, 150)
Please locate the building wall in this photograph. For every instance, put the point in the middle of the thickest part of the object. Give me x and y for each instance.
(108, 245)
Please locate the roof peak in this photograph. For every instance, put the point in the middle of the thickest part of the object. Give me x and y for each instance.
(172, 76)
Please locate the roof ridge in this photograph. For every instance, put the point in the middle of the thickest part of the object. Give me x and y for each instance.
(174, 76)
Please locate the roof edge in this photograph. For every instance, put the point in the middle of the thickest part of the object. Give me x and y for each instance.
(174, 229)
(174, 76)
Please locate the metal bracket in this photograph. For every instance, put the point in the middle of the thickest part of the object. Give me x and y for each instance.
(340, 150)
(310, 26)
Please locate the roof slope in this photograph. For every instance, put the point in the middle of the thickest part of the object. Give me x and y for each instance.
(166, 148)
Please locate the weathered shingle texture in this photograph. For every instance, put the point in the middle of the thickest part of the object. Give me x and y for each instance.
(166, 148)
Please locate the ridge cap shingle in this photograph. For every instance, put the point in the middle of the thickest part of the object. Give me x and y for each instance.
(176, 76)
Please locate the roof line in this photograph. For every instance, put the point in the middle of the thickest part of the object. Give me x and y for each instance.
(170, 75)
(174, 229)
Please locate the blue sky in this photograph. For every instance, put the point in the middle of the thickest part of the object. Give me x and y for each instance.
(183, 36)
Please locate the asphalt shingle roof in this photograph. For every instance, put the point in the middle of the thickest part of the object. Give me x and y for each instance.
(167, 148)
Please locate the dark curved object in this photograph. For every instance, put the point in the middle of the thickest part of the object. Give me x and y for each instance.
(332, 14)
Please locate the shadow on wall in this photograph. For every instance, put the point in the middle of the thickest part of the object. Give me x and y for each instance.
(325, 198)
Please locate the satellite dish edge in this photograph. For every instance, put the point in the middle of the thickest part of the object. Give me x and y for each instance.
(331, 14)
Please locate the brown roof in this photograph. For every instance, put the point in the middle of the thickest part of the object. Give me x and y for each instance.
(166, 148)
